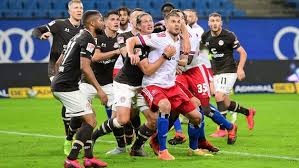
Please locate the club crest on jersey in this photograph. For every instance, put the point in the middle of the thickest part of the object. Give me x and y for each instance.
(66, 29)
(103, 45)
(120, 40)
(221, 42)
(115, 45)
(90, 47)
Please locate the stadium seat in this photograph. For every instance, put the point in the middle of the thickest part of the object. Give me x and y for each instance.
(59, 4)
(115, 4)
(131, 4)
(146, 5)
(43, 5)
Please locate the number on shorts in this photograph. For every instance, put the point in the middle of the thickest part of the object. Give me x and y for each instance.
(202, 88)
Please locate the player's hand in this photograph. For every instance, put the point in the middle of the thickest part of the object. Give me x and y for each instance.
(45, 36)
(169, 51)
(241, 74)
(134, 58)
(178, 71)
(103, 97)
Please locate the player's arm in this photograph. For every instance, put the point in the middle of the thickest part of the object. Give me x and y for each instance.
(45, 31)
(101, 56)
(130, 44)
(58, 63)
(41, 32)
(243, 58)
(150, 68)
(86, 69)
(186, 46)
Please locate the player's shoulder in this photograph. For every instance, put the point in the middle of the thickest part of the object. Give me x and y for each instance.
(57, 21)
(85, 36)
(206, 34)
(228, 32)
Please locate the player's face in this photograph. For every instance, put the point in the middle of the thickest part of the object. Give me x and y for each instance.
(124, 17)
(112, 22)
(173, 25)
(215, 23)
(133, 17)
(191, 17)
(146, 24)
(76, 11)
(98, 23)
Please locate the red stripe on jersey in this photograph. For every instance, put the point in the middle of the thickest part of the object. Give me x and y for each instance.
(141, 40)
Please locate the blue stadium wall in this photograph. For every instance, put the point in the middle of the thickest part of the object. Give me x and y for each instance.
(272, 46)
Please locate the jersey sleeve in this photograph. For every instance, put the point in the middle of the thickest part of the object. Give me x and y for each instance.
(53, 26)
(234, 40)
(151, 40)
(88, 49)
(121, 40)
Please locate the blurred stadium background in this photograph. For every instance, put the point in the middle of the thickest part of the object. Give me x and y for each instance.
(268, 30)
(31, 128)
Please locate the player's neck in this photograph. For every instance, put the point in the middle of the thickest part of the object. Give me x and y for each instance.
(134, 31)
(91, 31)
(124, 27)
(174, 37)
(74, 22)
(110, 33)
(216, 33)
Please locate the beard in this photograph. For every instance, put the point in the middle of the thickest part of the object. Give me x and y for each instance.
(123, 24)
(99, 31)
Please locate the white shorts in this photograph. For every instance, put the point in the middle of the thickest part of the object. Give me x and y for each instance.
(76, 104)
(224, 82)
(90, 92)
(128, 96)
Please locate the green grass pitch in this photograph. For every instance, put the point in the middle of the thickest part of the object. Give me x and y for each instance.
(274, 143)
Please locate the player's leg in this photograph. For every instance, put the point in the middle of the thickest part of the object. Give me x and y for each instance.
(236, 107)
(144, 133)
(158, 101)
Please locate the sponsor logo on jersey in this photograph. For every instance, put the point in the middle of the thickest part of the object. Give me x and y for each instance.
(90, 47)
(66, 29)
(116, 45)
(120, 40)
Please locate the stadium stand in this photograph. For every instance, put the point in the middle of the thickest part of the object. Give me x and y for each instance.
(57, 8)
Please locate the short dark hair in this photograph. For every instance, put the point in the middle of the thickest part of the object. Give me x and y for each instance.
(87, 15)
(215, 14)
(180, 11)
(124, 9)
(191, 10)
(113, 12)
(137, 9)
(172, 13)
(167, 4)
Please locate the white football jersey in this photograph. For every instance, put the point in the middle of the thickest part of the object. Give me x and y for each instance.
(198, 57)
(165, 76)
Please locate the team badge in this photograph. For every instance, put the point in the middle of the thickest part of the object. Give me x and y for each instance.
(90, 47)
(221, 42)
(120, 40)
(103, 45)
(115, 45)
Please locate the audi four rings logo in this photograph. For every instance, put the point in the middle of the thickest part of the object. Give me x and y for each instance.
(279, 35)
(26, 46)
